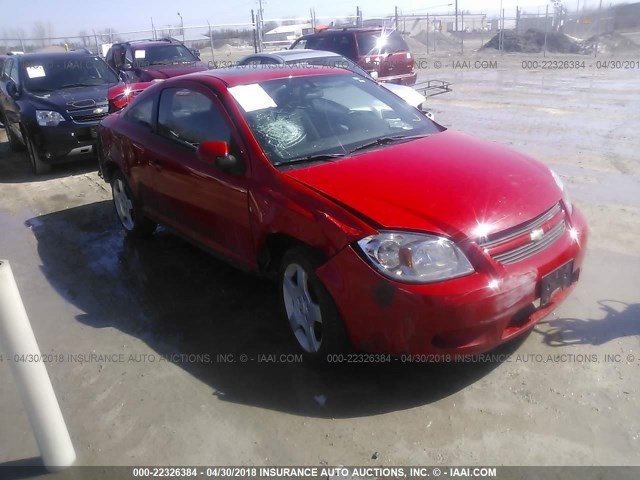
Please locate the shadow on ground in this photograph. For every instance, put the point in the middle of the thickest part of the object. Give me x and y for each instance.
(621, 320)
(180, 300)
(15, 166)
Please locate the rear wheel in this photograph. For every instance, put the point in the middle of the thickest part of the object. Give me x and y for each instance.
(37, 165)
(132, 220)
(308, 307)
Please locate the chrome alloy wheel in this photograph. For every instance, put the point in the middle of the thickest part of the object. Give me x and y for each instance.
(302, 308)
(124, 206)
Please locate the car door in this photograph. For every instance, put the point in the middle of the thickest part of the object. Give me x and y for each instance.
(206, 204)
(10, 107)
(136, 132)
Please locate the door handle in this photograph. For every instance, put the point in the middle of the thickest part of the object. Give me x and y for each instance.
(156, 163)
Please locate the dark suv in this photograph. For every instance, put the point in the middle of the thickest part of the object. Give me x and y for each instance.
(373, 49)
(149, 60)
(52, 103)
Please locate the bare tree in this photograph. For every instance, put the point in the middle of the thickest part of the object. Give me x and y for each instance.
(108, 35)
(39, 32)
(84, 38)
(50, 32)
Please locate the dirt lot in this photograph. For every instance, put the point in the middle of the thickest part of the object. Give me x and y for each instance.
(555, 400)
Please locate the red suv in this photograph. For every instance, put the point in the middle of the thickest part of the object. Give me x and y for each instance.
(150, 60)
(373, 49)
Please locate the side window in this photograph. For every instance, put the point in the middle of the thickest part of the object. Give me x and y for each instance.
(302, 43)
(5, 71)
(128, 56)
(141, 112)
(191, 117)
(13, 72)
(109, 58)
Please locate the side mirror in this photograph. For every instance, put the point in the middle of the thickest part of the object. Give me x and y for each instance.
(123, 76)
(12, 89)
(196, 52)
(217, 153)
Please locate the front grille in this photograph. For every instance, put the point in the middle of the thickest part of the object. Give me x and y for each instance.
(531, 248)
(88, 118)
(519, 242)
(88, 114)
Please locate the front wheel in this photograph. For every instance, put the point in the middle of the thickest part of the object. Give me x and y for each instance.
(37, 165)
(132, 220)
(308, 307)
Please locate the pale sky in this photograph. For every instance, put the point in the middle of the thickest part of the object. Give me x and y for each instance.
(68, 17)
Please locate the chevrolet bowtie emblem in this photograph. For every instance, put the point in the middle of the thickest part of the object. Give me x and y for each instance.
(536, 234)
(98, 110)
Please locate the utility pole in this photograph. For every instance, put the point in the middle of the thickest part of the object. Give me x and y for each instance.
(397, 18)
(255, 39)
(456, 15)
(211, 41)
(599, 21)
(181, 26)
(260, 23)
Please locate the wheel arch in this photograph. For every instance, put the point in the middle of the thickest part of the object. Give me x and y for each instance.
(274, 247)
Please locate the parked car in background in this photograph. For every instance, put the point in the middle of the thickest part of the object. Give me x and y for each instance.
(52, 103)
(304, 57)
(2, 59)
(386, 232)
(373, 49)
(153, 60)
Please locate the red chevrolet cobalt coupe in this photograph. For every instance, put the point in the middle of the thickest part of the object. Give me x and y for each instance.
(386, 232)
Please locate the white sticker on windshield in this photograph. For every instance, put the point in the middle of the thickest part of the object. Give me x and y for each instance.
(36, 71)
(140, 53)
(252, 97)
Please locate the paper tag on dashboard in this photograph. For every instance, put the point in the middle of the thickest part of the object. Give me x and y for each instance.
(36, 71)
(252, 97)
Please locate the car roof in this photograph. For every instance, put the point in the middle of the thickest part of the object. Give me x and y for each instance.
(55, 55)
(243, 75)
(150, 43)
(297, 54)
(337, 30)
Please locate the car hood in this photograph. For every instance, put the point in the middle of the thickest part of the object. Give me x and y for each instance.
(72, 98)
(408, 94)
(448, 183)
(154, 72)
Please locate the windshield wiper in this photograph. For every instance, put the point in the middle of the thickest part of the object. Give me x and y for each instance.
(387, 140)
(72, 85)
(312, 158)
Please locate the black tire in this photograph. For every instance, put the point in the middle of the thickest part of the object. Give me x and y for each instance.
(133, 222)
(300, 308)
(14, 142)
(37, 165)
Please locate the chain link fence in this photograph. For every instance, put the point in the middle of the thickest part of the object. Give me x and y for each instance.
(427, 31)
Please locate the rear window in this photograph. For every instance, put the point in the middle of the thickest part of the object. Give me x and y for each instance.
(338, 43)
(375, 43)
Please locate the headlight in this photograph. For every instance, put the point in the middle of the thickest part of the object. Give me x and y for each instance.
(48, 118)
(566, 199)
(416, 258)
